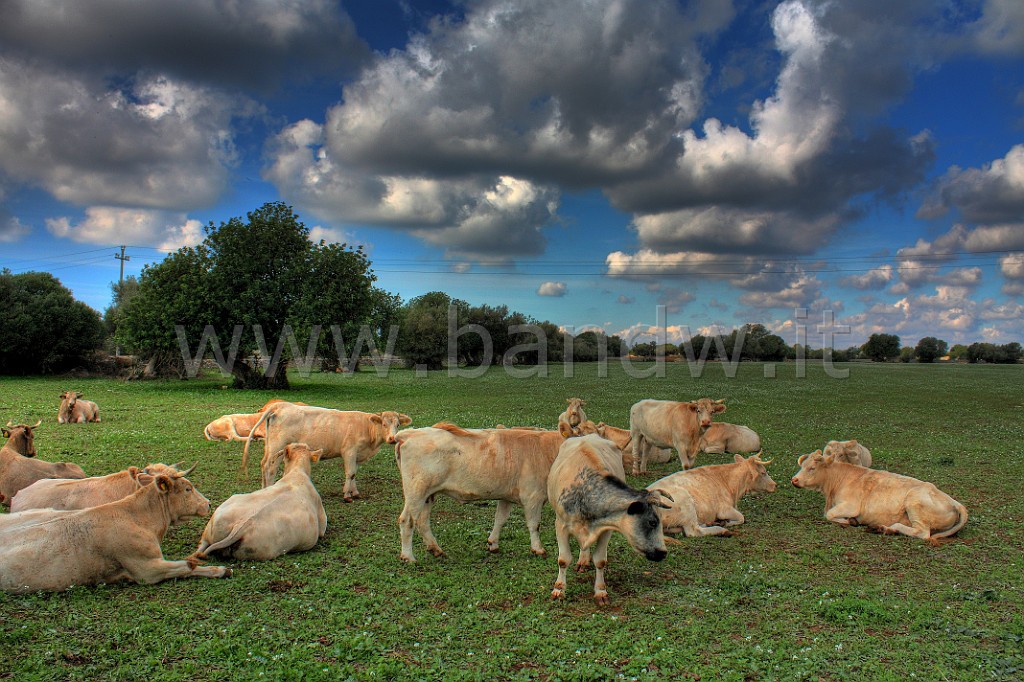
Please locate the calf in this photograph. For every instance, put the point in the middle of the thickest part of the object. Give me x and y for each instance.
(891, 503)
(721, 438)
(353, 436)
(286, 517)
(707, 495)
(507, 465)
(591, 499)
(47, 549)
(670, 424)
(81, 493)
(76, 410)
(19, 470)
(849, 451)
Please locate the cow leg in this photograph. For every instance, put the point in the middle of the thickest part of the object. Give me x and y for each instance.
(843, 513)
(405, 525)
(917, 531)
(600, 562)
(351, 465)
(564, 557)
(500, 517)
(731, 517)
(532, 510)
(156, 569)
(583, 563)
(638, 449)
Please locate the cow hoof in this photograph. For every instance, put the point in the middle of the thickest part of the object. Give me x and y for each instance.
(407, 559)
(437, 551)
(601, 598)
(493, 549)
(539, 552)
(582, 568)
(346, 499)
(227, 573)
(558, 593)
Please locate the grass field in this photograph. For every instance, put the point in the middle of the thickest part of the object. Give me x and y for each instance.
(790, 597)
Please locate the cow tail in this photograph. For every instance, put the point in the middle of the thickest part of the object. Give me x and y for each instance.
(962, 513)
(265, 417)
(234, 536)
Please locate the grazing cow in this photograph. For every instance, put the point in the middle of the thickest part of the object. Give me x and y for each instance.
(882, 500)
(574, 414)
(353, 436)
(587, 489)
(48, 549)
(75, 410)
(707, 495)
(670, 424)
(18, 470)
(507, 465)
(286, 517)
(721, 438)
(849, 451)
(81, 493)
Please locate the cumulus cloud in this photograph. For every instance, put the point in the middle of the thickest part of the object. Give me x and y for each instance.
(253, 45)
(991, 194)
(164, 230)
(557, 289)
(12, 229)
(1000, 28)
(926, 261)
(646, 263)
(876, 278)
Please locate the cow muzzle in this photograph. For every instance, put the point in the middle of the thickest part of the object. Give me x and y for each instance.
(655, 554)
(796, 482)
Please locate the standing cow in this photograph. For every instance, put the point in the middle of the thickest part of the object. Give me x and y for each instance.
(670, 424)
(507, 465)
(707, 495)
(587, 489)
(48, 549)
(287, 517)
(18, 466)
(858, 496)
(76, 410)
(353, 436)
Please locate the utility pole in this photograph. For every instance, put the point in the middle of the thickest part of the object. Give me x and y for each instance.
(120, 283)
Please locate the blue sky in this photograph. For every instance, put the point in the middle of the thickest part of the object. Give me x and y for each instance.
(583, 162)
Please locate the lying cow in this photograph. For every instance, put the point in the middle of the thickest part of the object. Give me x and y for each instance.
(232, 427)
(670, 424)
(587, 489)
(849, 451)
(353, 436)
(574, 414)
(18, 466)
(76, 410)
(507, 465)
(286, 517)
(47, 549)
(882, 500)
(82, 493)
(721, 438)
(707, 495)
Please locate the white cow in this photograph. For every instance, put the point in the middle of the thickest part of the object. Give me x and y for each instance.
(670, 424)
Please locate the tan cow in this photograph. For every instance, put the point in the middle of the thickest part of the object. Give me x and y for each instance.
(587, 489)
(882, 500)
(81, 493)
(48, 549)
(76, 410)
(353, 436)
(670, 424)
(721, 438)
(286, 517)
(574, 414)
(19, 470)
(507, 465)
(849, 451)
(624, 441)
(706, 496)
(232, 427)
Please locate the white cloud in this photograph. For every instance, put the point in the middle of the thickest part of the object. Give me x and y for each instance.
(991, 194)
(876, 278)
(12, 229)
(1000, 28)
(557, 289)
(165, 230)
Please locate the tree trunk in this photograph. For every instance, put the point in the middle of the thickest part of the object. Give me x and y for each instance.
(247, 376)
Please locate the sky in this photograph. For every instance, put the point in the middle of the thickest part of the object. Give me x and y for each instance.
(857, 166)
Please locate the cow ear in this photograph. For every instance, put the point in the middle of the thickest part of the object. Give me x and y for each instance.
(657, 498)
(376, 419)
(738, 458)
(64, 394)
(800, 459)
(404, 419)
(6, 432)
(719, 408)
(133, 472)
(854, 442)
(583, 402)
(163, 483)
(565, 430)
(316, 455)
(636, 508)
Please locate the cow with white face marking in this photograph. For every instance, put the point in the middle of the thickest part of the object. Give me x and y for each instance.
(670, 424)
(586, 487)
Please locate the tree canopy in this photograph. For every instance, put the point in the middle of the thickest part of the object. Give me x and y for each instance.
(881, 347)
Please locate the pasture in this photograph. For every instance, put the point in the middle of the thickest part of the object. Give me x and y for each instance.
(791, 596)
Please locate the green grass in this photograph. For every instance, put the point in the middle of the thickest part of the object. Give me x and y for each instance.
(790, 597)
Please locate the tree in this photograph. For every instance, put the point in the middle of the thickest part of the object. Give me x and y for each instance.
(958, 352)
(881, 347)
(423, 336)
(929, 349)
(123, 292)
(906, 354)
(250, 280)
(45, 329)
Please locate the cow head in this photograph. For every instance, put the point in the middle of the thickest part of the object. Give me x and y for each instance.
(68, 400)
(389, 423)
(296, 455)
(182, 500)
(843, 451)
(760, 481)
(575, 411)
(813, 470)
(706, 409)
(20, 438)
(585, 428)
(641, 524)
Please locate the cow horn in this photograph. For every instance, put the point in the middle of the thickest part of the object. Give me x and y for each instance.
(801, 458)
(36, 425)
(183, 474)
(757, 458)
(720, 401)
(9, 423)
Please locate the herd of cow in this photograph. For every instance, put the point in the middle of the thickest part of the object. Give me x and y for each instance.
(64, 529)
